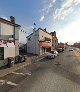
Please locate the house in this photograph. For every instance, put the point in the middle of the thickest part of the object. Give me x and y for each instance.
(22, 37)
(39, 42)
(9, 39)
(54, 40)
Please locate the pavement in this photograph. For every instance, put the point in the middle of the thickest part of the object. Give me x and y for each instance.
(29, 60)
(6, 71)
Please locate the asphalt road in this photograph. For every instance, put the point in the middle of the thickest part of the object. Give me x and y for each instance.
(61, 74)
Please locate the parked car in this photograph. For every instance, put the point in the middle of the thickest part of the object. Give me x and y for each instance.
(70, 49)
(52, 54)
(60, 49)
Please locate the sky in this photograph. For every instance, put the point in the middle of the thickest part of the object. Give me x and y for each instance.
(62, 16)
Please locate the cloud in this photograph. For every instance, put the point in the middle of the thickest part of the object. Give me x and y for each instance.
(71, 32)
(42, 18)
(46, 8)
(53, 1)
(76, 2)
(67, 8)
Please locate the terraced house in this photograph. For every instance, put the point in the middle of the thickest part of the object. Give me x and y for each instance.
(9, 39)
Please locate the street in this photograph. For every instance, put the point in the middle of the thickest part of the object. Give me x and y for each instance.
(61, 74)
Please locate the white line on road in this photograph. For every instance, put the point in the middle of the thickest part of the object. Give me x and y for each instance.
(11, 83)
(21, 73)
(2, 82)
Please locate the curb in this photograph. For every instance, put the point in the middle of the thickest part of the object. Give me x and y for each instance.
(18, 66)
(7, 71)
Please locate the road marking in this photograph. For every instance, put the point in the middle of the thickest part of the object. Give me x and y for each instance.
(21, 73)
(2, 82)
(11, 83)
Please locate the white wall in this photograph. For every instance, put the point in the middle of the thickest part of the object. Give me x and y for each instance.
(22, 37)
(31, 44)
(6, 29)
(9, 52)
(17, 40)
(17, 29)
(43, 34)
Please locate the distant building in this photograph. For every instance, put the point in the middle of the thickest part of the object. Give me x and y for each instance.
(39, 42)
(77, 44)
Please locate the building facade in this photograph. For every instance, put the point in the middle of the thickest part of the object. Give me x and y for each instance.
(9, 40)
(54, 40)
(39, 42)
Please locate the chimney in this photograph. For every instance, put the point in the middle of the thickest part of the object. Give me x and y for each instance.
(53, 33)
(12, 19)
(45, 29)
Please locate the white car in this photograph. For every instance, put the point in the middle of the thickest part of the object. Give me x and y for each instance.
(52, 54)
(70, 49)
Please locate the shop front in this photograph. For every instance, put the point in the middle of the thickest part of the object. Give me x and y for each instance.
(7, 49)
(44, 47)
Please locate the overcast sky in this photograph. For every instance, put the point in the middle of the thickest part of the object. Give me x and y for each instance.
(63, 16)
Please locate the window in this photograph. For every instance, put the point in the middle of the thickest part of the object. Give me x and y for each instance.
(1, 53)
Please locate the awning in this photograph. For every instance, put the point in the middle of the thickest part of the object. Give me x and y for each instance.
(45, 44)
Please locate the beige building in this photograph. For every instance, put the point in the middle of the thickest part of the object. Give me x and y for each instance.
(54, 40)
(39, 42)
(9, 39)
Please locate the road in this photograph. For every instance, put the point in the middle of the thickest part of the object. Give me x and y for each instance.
(61, 74)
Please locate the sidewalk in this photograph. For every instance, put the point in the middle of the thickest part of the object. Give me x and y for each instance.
(18, 66)
(78, 49)
(6, 71)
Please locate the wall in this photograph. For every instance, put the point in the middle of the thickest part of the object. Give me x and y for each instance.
(43, 34)
(16, 47)
(17, 29)
(22, 37)
(6, 29)
(9, 52)
(31, 44)
(37, 47)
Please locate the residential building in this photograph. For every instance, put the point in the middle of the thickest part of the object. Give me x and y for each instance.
(54, 40)
(22, 37)
(9, 39)
(39, 42)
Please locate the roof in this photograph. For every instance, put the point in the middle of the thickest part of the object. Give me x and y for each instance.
(9, 22)
(37, 30)
(43, 30)
(29, 35)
